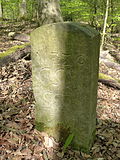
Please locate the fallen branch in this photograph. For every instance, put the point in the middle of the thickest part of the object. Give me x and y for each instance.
(107, 58)
(112, 65)
(116, 56)
(20, 37)
(16, 54)
(109, 81)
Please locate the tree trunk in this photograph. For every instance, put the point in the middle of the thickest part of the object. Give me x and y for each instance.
(23, 9)
(105, 24)
(94, 14)
(35, 9)
(112, 15)
(49, 12)
(1, 14)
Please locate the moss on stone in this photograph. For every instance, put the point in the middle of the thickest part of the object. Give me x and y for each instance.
(106, 77)
(116, 38)
(60, 132)
(12, 50)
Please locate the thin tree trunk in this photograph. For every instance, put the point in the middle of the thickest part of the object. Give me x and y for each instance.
(105, 24)
(49, 12)
(1, 14)
(23, 9)
(35, 9)
(112, 14)
(94, 12)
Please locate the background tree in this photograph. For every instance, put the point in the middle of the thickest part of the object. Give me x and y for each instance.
(1, 14)
(22, 7)
(49, 11)
(105, 24)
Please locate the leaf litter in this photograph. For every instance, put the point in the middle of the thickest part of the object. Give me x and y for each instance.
(20, 140)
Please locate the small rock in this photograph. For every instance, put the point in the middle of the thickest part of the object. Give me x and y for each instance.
(11, 34)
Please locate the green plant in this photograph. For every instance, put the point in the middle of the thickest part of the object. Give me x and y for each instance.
(68, 142)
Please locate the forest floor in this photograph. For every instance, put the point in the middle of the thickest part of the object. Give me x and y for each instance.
(20, 140)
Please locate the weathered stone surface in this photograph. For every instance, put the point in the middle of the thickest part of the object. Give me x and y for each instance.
(65, 73)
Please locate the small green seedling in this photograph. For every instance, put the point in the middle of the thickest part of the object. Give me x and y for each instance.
(68, 142)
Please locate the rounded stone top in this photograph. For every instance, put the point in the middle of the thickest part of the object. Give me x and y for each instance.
(67, 27)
